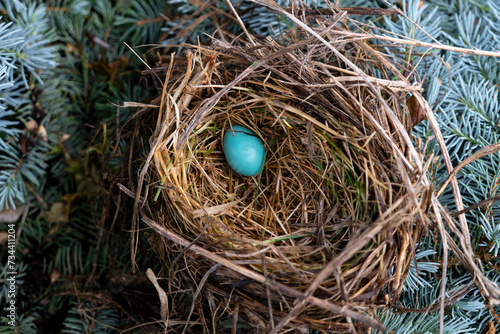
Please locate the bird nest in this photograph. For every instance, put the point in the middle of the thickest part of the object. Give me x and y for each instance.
(325, 233)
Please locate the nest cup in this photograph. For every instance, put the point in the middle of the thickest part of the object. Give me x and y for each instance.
(330, 213)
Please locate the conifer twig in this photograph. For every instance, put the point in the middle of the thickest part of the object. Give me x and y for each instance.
(475, 206)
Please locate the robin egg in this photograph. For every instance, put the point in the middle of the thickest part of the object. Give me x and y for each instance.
(244, 151)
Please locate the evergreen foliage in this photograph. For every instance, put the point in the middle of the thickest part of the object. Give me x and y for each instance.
(63, 66)
(463, 92)
(26, 59)
(87, 318)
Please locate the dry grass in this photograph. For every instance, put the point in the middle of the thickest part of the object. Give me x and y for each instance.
(326, 233)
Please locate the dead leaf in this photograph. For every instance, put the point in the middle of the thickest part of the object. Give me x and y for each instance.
(491, 328)
(417, 112)
(42, 133)
(71, 48)
(197, 3)
(11, 215)
(161, 294)
(4, 236)
(54, 275)
(32, 125)
(57, 214)
(64, 137)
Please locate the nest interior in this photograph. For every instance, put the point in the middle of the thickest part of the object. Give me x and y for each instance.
(338, 207)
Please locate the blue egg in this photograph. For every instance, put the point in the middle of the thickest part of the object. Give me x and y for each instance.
(244, 151)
